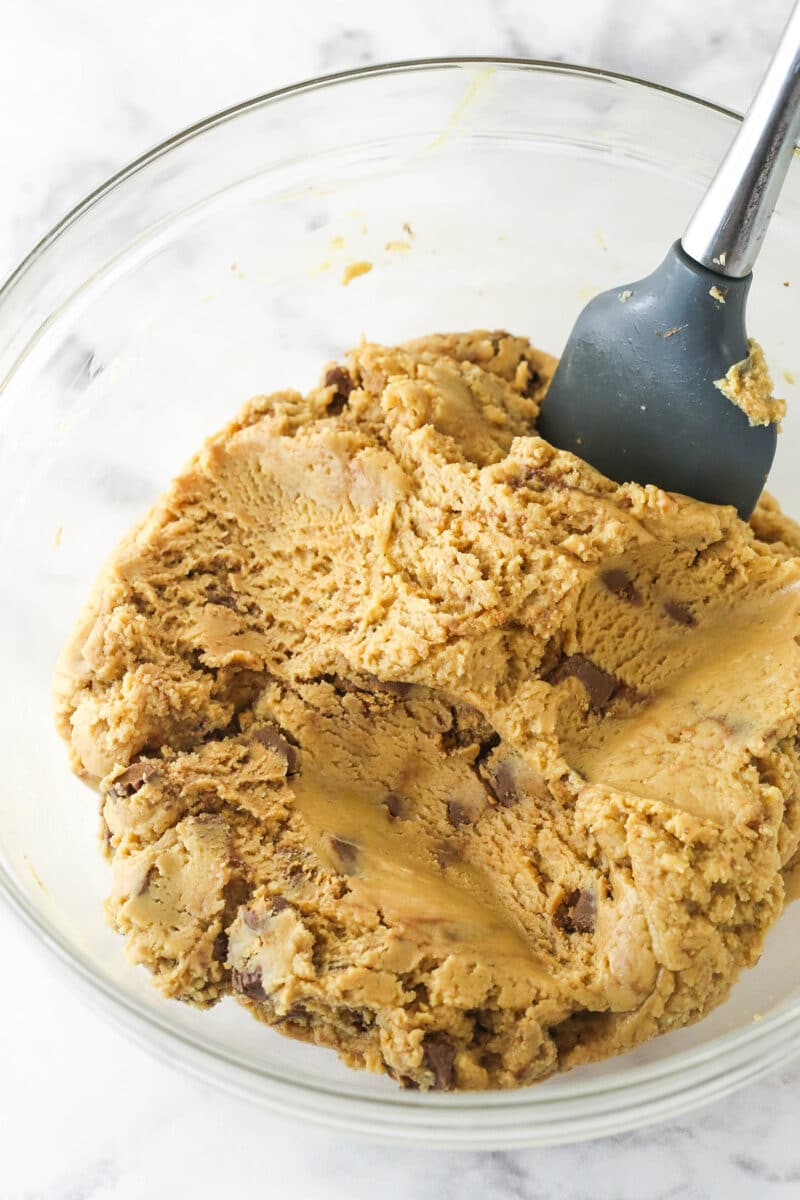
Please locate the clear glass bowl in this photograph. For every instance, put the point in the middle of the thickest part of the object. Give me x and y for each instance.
(212, 269)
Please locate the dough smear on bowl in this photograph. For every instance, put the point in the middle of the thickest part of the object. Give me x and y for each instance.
(427, 742)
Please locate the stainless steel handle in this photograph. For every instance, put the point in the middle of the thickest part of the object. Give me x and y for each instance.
(728, 227)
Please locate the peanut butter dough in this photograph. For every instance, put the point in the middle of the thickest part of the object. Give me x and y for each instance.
(748, 385)
(427, 742)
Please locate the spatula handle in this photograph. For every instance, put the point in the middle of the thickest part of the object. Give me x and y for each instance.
(728, 227)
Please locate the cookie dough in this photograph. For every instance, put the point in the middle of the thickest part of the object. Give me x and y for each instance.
(427, 742)
(748, 385)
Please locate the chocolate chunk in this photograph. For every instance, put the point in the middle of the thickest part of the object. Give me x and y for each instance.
(407, 1083)
(279, 904)
(249, 983)
(150, 875)
(577, 913)
(469, 728)
(620, 584)
(220, 951)
(396, 805)
(135, 777)
(676, 610)
(440, 1055)
(600, 685)
(268, 737)
(346, 852)
(339, 378)
(503, 784)
(457, 813)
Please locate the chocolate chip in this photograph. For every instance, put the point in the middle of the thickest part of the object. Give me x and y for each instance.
(220, 951)
(346, 852)
(249, 983)
(600, 685)
(268, 737)
(676, 610)
(440, 1055)
(339, 378)
(279, 904)
(457, 813)
(407, 1083)
(135, 777)
(150, 875)
(577, 913)
(502, 781)
(396, 805)
(620, 584)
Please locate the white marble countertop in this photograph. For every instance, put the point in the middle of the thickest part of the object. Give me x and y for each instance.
(85, 87)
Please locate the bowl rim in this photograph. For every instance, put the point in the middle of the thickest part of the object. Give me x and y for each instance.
(411, 1107)
(315, 83)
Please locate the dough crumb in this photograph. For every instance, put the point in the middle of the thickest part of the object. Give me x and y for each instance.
(748, 385)
(626, 295)
(354, 269)
(670, 332)
(717, 293)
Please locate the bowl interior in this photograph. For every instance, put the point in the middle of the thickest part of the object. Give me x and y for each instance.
(482, 195)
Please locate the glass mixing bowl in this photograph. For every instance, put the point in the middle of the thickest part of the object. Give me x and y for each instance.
(495, 194)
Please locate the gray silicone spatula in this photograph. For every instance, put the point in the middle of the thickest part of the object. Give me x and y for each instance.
(634, 392)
